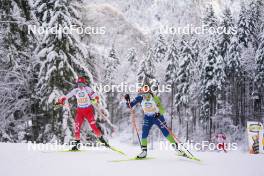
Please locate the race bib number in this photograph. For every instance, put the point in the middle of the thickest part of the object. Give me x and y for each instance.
(149, 107)
(82, 100)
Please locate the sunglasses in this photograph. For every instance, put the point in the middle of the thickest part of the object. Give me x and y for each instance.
(147, 95)
(81, 84)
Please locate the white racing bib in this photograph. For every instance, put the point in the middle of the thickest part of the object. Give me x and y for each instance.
(83, 96)
(83, 99)
(149, 107)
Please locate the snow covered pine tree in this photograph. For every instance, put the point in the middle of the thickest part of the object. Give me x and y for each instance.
(61, 57)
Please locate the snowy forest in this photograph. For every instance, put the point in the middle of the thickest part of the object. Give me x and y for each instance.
(217, 80)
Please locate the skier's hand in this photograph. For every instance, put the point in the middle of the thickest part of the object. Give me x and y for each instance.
(127, 97)
(157, 115)
(61, 101)
(95, 101)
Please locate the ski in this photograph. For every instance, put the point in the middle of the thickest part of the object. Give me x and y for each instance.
(72, 151)
(195, 159)
(59, 151)
(117, 150)
(190, 157)
(132, 159)
(105, 144)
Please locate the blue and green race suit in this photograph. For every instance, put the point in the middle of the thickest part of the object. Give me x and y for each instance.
(151, 108)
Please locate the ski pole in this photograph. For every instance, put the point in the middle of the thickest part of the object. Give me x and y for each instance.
(57, 106)
(134, 122)
(174, 136)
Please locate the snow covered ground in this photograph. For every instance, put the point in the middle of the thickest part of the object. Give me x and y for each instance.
(16, 160)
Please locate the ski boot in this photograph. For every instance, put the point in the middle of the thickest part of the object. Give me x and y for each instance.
(102, 140)
(76, 146)
(180, 152)
(143, 154)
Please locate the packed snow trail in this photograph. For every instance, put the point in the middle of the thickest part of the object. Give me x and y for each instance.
(17, 160)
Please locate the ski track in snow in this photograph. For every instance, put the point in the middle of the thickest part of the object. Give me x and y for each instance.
(16, 160)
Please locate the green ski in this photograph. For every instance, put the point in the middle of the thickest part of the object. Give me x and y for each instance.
(191, 157)
(117, 150)
(132, 159)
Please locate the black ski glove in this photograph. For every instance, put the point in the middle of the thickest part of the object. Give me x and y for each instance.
(157, 114)
(127, 97)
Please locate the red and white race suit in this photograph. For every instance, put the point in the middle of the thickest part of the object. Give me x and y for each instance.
(84, 110)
